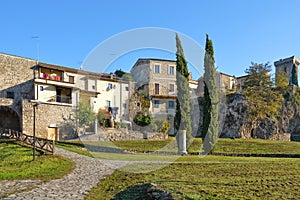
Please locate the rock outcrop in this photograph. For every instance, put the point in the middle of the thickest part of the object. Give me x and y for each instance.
(237, 123)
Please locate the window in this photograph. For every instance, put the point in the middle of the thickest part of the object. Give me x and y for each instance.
(156, 103)
(171, 70)
(124, 105)
(156, 69)
(156, 88)
(127, 88)
(93, 87)
(171, 104)
(109, 86)
(107, 104)
(10, 95)
(71, 79)
(41, 88)
(171, 87)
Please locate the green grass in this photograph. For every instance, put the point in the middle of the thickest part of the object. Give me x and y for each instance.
(143, 150)
(212, 177)
(74, 146)
(16, 162)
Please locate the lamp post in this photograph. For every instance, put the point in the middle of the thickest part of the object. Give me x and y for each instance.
(34, 137)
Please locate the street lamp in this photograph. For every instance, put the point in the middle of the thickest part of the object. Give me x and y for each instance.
(34, 137)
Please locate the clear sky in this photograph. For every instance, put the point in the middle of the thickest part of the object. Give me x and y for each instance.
(242, 30)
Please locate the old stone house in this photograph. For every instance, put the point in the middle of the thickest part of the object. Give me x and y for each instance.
(49, 94)
(157, 78)
(225, 83)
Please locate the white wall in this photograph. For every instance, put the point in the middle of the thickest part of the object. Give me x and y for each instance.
(118, 96)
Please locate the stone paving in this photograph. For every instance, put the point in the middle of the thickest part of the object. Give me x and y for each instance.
(75, 185)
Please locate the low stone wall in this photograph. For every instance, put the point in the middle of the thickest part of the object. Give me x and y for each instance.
(112, 134)
(48, 115)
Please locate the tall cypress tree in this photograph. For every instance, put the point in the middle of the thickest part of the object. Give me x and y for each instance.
(182, 119)
(294, 76)
(211, 97)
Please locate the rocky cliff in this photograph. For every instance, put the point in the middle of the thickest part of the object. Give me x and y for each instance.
(237, 123)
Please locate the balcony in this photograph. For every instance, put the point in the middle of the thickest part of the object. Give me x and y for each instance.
(54, 77)
(60, 99)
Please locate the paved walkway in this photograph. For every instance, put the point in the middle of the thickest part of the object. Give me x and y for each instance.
(75, 185)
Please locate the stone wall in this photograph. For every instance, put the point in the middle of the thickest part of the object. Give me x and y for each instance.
(16, 83)
(113, 134)
(48, 114)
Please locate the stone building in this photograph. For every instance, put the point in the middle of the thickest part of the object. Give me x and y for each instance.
(49, 94)
(157, 78)
(290, 67)
(225, 82)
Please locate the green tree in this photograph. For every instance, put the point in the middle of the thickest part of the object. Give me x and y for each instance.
(182, 118)
(210, 130)
(281, 81)
(294, 76)
(263, 100)
(84, 114)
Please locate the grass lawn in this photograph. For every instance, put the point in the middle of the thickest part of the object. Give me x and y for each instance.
(16, 163)
(139, 149)
(213, 177)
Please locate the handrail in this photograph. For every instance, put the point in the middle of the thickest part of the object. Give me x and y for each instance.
(42, 144)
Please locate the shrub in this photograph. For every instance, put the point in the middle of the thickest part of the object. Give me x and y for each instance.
(142, 119)
(103, 117)
(160, 125)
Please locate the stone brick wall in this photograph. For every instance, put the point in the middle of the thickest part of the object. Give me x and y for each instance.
(16, 74)
(48, 114)
(164, 79)
(16, 78)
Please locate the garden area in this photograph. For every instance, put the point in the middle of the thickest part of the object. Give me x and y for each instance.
(169, 175)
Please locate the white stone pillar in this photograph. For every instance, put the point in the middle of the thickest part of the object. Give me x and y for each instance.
(96, 125)
(182, 142)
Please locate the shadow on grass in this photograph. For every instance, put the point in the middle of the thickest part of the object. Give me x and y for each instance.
(146, 191)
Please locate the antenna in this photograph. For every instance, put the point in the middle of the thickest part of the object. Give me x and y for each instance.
(37, 46)
(80, 63)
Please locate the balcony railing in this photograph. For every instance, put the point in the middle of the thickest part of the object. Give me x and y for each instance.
(61, 99)
(55, 77)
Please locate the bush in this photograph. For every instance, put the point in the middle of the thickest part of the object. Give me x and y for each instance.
(142, 119)
(160, 125)
(103, 117)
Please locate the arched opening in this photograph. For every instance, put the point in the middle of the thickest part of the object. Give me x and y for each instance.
(9, 119)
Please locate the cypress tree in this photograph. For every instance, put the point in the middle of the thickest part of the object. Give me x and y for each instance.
(294, 76)
(211, 97)
(182, 120)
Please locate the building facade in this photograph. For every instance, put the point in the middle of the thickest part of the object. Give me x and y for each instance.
(157, 78)
(49, 94)
(290, 67)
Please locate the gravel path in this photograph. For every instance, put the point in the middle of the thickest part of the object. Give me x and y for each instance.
(75, 185)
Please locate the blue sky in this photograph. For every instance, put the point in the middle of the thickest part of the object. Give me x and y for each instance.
(242, 31)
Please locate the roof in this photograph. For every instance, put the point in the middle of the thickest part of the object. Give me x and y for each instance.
(157, 59)
(240, 77)
(95, 75)
(292, 58)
